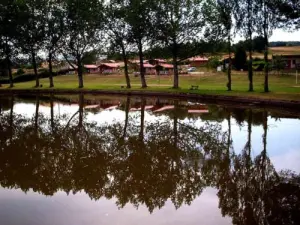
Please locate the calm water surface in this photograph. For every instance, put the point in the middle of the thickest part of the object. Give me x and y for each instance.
(119, 160)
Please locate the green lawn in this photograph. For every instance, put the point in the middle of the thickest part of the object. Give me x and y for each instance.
(282, 87)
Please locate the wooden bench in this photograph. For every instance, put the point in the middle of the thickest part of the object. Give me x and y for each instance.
(193, 87)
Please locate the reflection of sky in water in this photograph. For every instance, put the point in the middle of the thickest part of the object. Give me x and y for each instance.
(283, 140)
(34, 209)
(283, 145)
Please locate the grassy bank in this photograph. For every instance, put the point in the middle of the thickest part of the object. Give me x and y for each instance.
(282, 87)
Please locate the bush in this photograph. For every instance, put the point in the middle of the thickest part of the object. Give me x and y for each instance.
(240, 57)
(28, 67)
(20, 71)
(42, 70)
(214, 62)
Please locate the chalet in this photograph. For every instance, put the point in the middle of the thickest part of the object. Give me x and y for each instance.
(137, 61)
(197, 61)
(291, 61)
(149, 69)
(72, 69)
(91, 68)
(164, 69)
(109, 68)
(156, 62)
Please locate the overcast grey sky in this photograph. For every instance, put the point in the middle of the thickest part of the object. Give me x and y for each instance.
(279, 35)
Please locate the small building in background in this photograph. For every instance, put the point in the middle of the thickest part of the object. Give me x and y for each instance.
(291, 61)
(164, 69)
(149, 69)
(71, 69)
(109, 68)
(137, 61)
(197, 61)
(91, 68)
(156, 62)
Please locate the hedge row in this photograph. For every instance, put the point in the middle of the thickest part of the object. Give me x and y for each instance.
(30, 77)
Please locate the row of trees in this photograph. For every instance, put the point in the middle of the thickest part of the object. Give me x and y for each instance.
(71, 28)
(147, 162)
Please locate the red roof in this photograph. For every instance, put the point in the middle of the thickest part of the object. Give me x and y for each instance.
(147, 65)
(167, 107)
(198, 59)
(90, 66)
(111, 65)
(194, 111)
(137, 61)
(161, 60)
(167, 66)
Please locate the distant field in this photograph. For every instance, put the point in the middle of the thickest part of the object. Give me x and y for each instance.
(294, 50)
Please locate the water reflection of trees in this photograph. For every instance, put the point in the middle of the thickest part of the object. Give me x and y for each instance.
(142, 162)
(253, 192)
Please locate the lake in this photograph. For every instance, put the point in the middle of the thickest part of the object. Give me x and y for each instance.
(85, 159)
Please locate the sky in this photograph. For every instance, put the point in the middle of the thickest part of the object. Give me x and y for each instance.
(280, 35)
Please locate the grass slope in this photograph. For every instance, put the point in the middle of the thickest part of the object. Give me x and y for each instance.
(282, 87)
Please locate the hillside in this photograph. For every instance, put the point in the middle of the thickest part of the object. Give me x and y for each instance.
(293, 50)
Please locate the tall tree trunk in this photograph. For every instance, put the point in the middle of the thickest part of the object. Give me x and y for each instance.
(175, 125)
(80, 72)
(50, 70)
(265, 126)
(37, 106)
(143, 105)
(229, 131)
(81, 105)
(266, 69)
(229, 63)
(11, 83)
(11, 117)
(250, 69)
(175, 65)
(142, 69)
(125, 66)
(266, 40)
(263, 169)
(250, 118)
(127, 107)
(52, 112)
(37, 81)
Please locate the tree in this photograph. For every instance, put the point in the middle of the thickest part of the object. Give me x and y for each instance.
(258, 44)
(246, 18)
(240, 57)
(266, 23)
(226, 9)
(213, 62)
(139, 19)
(287, 13)
(118, 30)
(54, 31)
(90, 57)
(8, 23)
(82, 32)
(31, 29)
(178, 22)
(278, 63)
